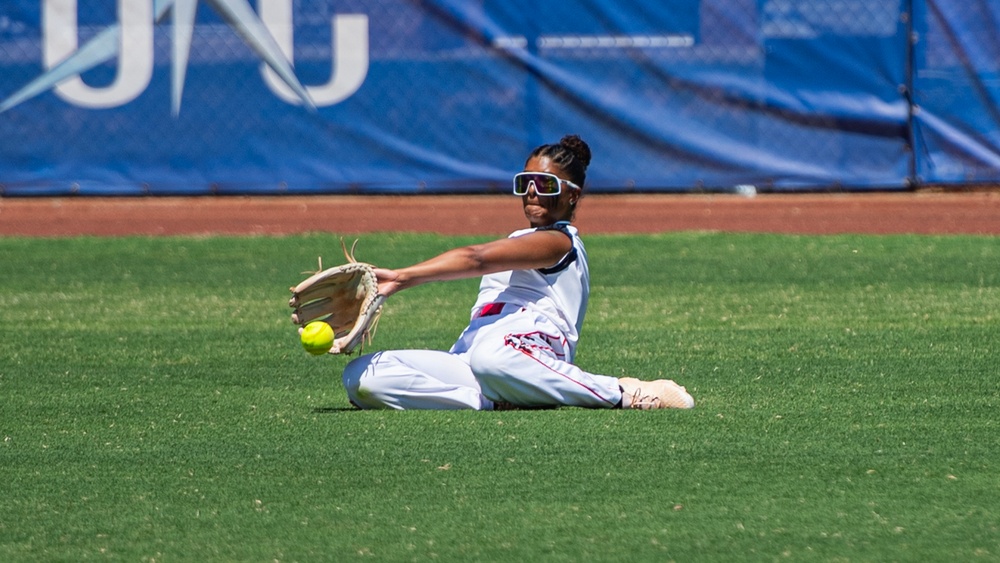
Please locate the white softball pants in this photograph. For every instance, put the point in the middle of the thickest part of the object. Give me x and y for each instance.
(517, 357)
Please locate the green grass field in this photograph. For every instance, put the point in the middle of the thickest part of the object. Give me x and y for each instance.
(156, 406)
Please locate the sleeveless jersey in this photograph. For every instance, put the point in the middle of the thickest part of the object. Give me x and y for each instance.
(559, 292)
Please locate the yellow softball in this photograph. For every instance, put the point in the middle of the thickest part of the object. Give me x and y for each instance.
(317, 338)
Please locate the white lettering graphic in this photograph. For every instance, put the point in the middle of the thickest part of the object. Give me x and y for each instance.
(270, 34)
(350, 46)
(135, 54)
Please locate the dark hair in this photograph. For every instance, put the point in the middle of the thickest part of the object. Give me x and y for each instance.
(571, 154)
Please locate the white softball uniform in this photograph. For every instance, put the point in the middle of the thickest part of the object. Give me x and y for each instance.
(518, 348)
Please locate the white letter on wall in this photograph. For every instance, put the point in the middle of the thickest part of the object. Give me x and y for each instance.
(135, 52)
(349, 66)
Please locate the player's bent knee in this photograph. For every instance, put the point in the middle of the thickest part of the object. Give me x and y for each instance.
(353, 373)
(364, 388)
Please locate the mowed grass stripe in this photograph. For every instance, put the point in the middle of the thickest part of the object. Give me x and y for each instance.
(157, 406)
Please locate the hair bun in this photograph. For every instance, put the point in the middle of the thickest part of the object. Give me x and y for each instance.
(579, 148)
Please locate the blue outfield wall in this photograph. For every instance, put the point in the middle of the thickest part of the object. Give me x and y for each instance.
(432, 96)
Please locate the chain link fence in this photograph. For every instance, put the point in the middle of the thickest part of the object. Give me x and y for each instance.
(317, 96)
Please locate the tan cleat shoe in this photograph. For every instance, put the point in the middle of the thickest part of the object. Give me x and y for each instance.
(659, 394)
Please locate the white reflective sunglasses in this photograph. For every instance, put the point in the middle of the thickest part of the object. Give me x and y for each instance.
(543, 183)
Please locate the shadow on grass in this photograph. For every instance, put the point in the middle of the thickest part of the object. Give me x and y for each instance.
(322, 410)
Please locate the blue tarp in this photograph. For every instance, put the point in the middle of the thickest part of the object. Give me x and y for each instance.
(429, 96)
(956, 117)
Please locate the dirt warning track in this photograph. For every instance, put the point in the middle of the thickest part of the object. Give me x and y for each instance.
(973, 212)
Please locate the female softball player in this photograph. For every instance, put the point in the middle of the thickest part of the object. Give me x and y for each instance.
(517, 351)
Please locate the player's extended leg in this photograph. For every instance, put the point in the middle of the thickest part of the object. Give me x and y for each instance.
(521, 359)
(413, 379)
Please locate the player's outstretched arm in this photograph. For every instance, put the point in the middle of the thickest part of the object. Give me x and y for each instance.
(539, 249)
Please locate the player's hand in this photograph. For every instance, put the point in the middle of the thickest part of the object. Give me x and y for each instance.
(388, 281)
